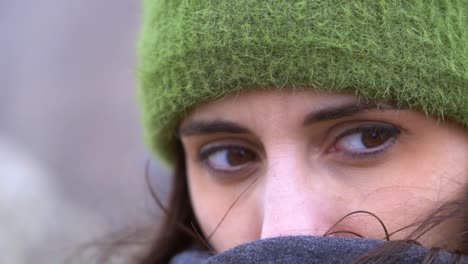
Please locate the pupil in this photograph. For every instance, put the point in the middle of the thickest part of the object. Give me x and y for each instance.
(238, 157)
(375, 138)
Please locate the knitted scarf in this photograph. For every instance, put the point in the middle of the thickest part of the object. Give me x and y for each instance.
(311, 249)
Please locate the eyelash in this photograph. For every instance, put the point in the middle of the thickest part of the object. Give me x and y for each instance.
(205, 154)
(392, 130)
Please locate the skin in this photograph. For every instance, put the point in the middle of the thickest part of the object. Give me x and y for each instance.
(269, 174)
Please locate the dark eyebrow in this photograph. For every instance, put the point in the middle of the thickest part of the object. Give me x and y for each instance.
(210, 127)
(194, 128)
(340, 111)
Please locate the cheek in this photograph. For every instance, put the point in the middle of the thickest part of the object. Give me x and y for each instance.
(419, 182)
(226, 217)
(406, 189)
(441, 169)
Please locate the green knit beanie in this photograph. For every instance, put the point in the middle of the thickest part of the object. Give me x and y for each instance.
(191, 51)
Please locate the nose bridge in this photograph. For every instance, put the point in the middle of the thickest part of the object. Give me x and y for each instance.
(290, 200)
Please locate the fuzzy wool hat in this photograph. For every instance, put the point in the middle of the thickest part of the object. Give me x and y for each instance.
(191, 51)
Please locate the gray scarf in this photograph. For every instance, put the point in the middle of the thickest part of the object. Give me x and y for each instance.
(310, 249)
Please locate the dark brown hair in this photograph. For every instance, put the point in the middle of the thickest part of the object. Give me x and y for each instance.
(180, 230)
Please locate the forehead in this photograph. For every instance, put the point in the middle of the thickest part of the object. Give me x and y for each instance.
(268, 104)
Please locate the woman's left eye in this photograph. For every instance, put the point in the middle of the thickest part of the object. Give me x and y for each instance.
(367, 139)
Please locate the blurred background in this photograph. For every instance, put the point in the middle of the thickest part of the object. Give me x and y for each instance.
(72, 159)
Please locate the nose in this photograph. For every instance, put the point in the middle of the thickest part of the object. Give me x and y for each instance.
(294, 199)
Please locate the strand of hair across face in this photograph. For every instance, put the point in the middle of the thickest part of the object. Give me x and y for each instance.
(231, 206)
(194, 232)
(387, 237)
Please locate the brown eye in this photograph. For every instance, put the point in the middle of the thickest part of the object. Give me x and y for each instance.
(367, 139)
(236, 157)
(375, 137)
(228, 158)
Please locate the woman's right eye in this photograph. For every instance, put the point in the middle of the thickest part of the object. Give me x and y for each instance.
(227, 159)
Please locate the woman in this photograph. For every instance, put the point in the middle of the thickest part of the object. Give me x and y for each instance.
(296, 126)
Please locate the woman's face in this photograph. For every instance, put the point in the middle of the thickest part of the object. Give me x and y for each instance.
(266, 164)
